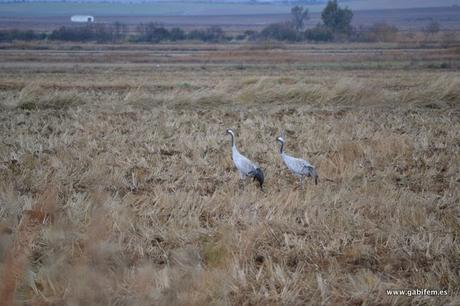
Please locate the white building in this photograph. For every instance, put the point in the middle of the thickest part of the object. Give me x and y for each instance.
(82, 18)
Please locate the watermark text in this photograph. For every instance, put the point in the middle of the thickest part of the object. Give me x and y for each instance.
(417, 292)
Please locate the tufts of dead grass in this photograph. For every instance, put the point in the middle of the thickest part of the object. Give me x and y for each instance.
(33, 97)
(434, 93)
(139, 99)
(358, 91)
(274, 90)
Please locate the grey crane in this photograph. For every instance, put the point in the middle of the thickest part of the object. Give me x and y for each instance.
(246, 167)
(299, 167)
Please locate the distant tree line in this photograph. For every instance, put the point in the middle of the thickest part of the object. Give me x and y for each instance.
(335, 26)
(117, 32)
(155, 33)
(89, 32)
(21, 35)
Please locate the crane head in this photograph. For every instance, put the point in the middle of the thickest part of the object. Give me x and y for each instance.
(280, 139)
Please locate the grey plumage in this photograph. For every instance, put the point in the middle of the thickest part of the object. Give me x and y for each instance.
(245, 167)
(299, 167)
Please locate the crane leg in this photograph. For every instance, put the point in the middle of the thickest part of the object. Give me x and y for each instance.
(242, 181)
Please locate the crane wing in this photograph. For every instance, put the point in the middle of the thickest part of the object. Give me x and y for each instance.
(243, 163)
(297, 165)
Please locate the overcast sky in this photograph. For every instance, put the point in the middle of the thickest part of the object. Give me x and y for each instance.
(351, 3)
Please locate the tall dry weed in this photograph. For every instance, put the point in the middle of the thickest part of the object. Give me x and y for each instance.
(34, 96)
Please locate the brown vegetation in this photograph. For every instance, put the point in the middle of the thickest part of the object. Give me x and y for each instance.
(117, 186)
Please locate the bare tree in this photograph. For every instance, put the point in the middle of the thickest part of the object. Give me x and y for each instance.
(299, 15)
(432, 28)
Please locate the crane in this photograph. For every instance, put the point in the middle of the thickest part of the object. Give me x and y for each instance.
(246, 167)
(299, 167)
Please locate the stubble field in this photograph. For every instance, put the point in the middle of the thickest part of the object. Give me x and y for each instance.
(117, 185)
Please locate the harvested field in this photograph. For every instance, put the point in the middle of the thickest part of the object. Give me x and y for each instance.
(117, 185)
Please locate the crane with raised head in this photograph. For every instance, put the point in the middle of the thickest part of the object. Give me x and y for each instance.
(245, 167)
(299, 167)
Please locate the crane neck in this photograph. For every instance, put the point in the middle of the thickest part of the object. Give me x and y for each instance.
(282, 148)
(233, 141)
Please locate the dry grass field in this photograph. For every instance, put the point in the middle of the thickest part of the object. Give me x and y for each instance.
(117, 185)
